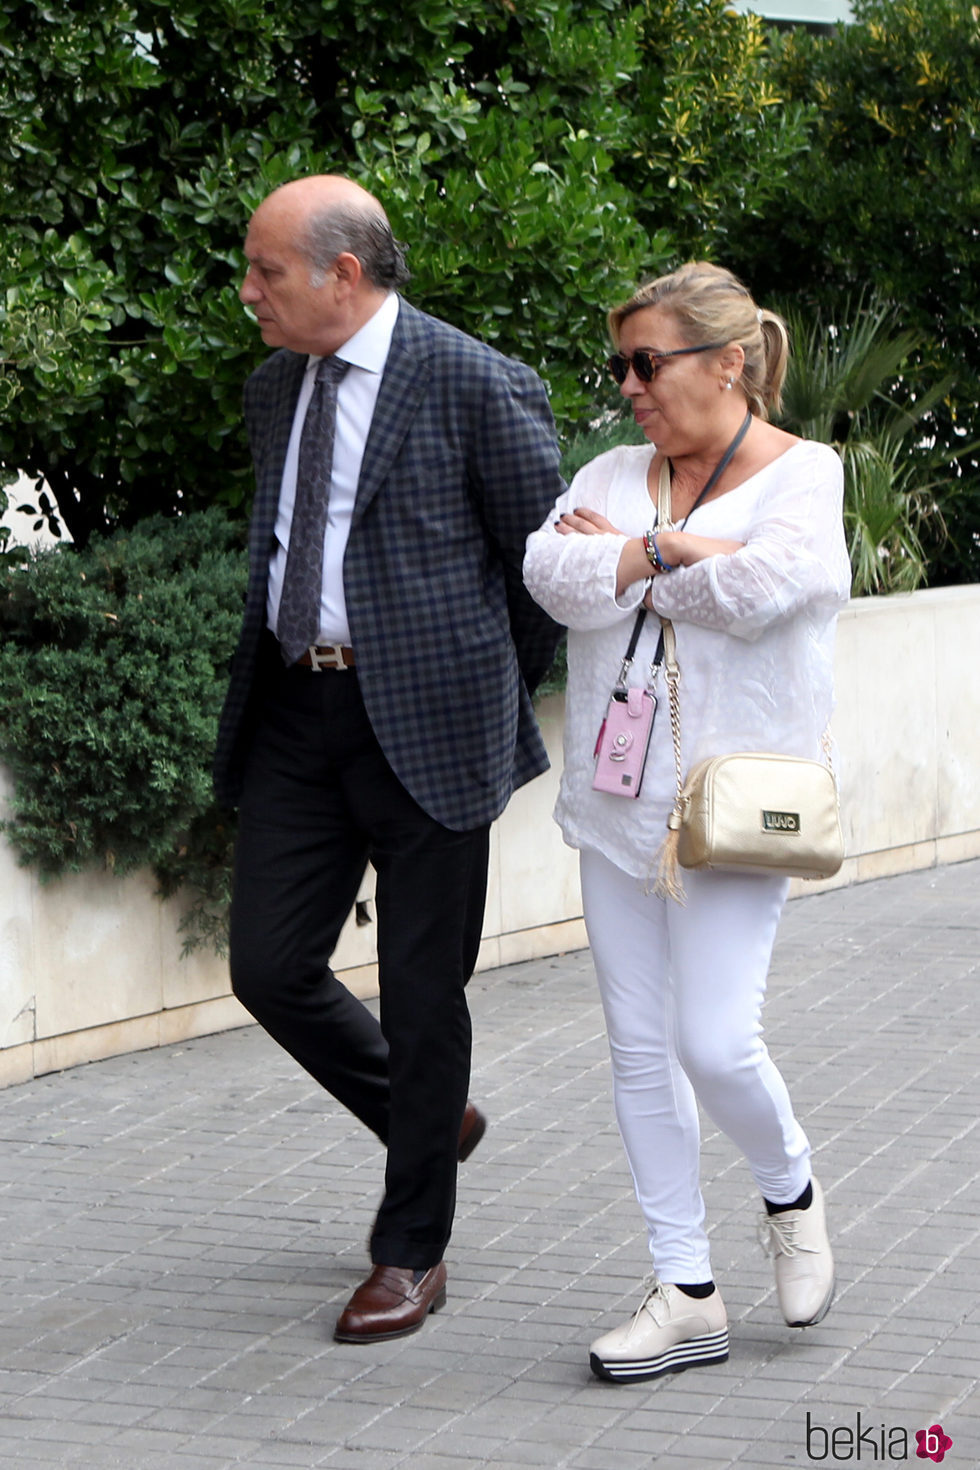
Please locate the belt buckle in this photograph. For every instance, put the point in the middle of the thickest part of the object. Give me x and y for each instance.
(327, 656)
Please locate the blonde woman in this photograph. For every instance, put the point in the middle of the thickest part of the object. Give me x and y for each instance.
(752, 577)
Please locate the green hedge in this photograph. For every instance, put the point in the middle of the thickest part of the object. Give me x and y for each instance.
(112, 673)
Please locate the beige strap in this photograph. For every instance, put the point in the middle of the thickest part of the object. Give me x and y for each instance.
(664, 522)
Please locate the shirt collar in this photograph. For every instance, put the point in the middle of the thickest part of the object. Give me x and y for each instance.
(370, 344)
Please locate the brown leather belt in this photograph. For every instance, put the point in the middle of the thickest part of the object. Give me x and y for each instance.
(321, 656)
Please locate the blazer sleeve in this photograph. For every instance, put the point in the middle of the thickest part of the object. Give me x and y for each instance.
(515, 475)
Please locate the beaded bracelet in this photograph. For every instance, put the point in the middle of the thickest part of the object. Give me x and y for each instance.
(653, 553)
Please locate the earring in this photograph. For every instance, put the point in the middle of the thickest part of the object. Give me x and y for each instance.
(729, 384)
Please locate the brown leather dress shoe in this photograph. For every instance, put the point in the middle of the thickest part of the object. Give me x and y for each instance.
(473, 1127)
(390, 1303)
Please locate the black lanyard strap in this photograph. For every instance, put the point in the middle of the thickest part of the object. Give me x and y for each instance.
(719, 468)
(712, 481)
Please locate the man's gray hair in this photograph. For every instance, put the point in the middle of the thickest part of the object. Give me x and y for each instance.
(365, 233)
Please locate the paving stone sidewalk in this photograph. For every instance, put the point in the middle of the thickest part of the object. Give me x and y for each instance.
(179, 1229)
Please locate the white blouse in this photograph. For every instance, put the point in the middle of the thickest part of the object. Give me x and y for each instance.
(755, 630)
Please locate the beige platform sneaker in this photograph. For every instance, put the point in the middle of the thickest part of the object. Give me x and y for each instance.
(670, 1332)
(798, 1243)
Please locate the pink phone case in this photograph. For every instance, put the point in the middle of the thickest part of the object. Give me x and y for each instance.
(621, 749)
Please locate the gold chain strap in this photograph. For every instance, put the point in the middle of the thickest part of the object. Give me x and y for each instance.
(667, 883)
(672, 674)
(672, 671)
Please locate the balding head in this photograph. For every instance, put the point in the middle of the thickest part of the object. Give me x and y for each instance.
(327, 215)
(333, 232)
(319, 191)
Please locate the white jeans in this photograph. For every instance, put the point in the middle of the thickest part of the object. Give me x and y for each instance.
(682, 989)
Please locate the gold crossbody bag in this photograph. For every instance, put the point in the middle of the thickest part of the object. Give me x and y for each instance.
(748, 812)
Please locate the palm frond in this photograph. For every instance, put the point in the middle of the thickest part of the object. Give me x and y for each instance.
(844, 387)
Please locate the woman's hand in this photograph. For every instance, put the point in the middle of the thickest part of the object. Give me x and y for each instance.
(586, 522)
(633, 564)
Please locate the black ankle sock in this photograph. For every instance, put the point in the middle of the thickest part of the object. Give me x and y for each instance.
(697, 1289)
(803, 1203)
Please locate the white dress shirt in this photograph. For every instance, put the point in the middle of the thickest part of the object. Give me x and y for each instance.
(367, 353)
(755, 630)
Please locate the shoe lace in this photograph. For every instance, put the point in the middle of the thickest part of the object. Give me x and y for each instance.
(653, 1291)
(778, 1234)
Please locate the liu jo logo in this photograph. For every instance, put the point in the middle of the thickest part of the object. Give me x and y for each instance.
(780, 821)
(873, 1443)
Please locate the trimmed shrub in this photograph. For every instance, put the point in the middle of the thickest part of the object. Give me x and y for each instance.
(112, 673)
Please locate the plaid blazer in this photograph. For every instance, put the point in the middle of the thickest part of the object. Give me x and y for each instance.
(461, 463)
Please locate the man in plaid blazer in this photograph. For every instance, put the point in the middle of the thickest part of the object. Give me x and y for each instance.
(401, 732)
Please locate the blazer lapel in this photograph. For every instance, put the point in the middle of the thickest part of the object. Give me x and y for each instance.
(403, 388)
(270, 437)
(274, 435)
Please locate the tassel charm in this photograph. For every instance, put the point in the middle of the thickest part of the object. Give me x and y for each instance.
(667, 883)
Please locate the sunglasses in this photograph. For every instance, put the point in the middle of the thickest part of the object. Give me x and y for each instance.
(646, 364)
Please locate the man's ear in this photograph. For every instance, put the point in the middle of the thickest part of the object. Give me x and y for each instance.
(349, 272)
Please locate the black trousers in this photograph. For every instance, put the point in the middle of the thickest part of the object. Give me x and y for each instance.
(320, 802)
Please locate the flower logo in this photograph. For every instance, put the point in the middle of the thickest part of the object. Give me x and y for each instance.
(933, 1443)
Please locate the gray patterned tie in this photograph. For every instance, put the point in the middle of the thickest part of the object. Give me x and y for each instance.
(299, 609)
